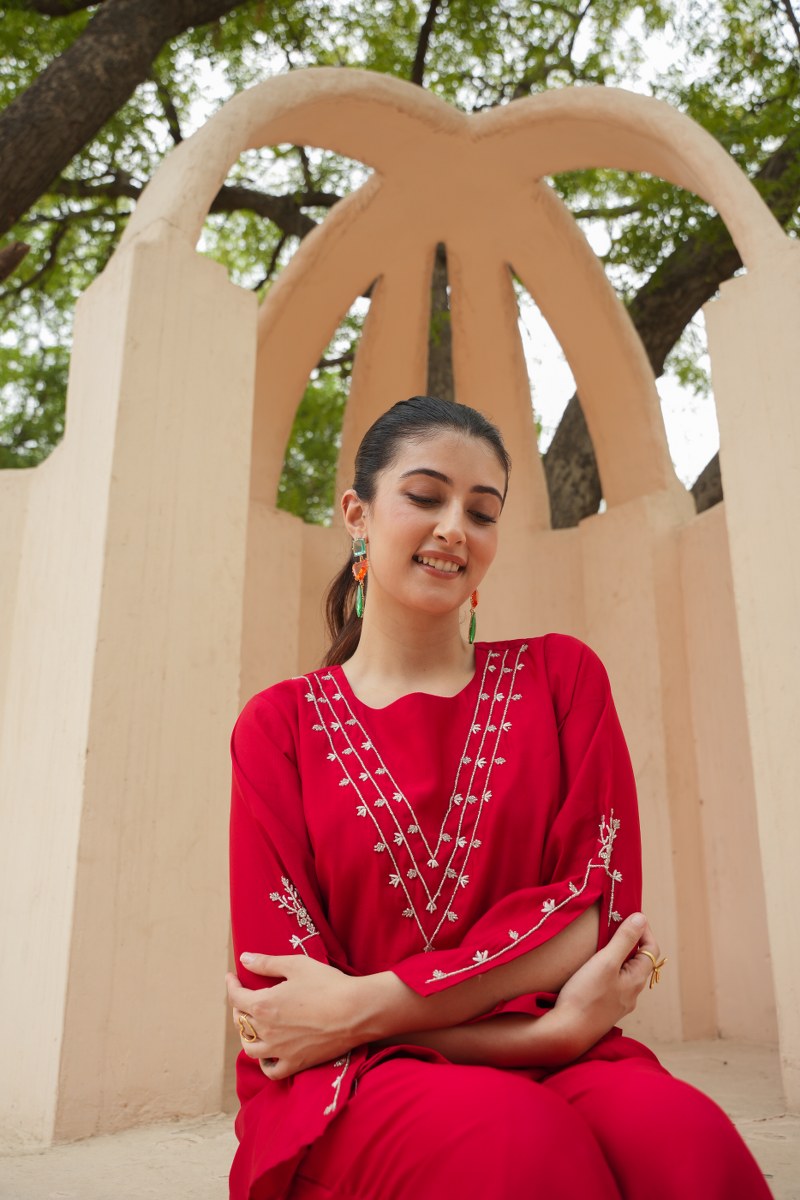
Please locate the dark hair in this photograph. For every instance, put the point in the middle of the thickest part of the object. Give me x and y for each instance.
(407, 421)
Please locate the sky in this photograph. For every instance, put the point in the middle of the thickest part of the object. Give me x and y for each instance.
(690, 421)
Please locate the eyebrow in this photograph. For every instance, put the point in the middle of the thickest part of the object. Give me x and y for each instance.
(480, 488)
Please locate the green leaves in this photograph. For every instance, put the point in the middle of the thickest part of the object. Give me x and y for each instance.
(731, 64)
(309, 475)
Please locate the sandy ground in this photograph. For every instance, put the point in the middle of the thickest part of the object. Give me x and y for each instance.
(188, 1160)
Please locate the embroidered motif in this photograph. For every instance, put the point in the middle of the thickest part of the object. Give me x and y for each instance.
(363, 768)
(290, 901)
(344, 1063)
(608, 830)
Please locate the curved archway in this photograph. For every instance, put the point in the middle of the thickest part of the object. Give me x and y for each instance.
(152, 534)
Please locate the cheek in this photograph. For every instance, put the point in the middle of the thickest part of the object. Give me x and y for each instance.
(487, 548)
(402, 529)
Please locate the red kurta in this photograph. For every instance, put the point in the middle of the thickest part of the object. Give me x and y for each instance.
(436, 837)
(439, 837)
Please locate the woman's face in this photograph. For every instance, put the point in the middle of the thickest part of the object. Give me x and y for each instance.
(432, 525)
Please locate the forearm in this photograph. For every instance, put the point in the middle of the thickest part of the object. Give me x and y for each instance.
(387, 1006)
(511, 1040)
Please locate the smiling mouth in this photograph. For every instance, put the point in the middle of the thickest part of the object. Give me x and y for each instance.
(444, 566)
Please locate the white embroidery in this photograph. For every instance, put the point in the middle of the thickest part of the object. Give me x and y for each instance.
(361, 764)
(290, 901)
(608, 829)
(608, 833)
(344, 1063)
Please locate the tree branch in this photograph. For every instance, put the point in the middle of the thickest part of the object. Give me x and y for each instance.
(284, 211)
(59, 234)
(418, 68)
(170, 111)
(544, 69)
(273, 262)
(342, 360)
(58, 8)
(48, 123)
(10, 258)
(305, 167)
(606, 212)
(793, 21)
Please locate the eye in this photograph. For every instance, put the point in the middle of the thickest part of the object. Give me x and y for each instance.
(483, 518)
(422, 499)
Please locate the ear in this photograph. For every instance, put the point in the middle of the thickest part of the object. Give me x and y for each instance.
(354, 513)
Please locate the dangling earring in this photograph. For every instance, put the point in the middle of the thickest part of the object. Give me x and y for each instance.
(473, 620)
(360, 568)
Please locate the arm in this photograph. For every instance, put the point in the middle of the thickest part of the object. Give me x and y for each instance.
(600, 993)
(387, 1006)
(317, 1012)
(300, 1022)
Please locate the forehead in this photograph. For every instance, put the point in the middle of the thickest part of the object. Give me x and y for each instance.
(451, 453)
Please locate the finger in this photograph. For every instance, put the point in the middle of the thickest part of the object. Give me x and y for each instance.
(649, 953)
(256, 1049)
(648, 942)
(240, 997)
(238, 1013)
(275, 1068)
(274, 966)
(626, 938)
(243, 1022)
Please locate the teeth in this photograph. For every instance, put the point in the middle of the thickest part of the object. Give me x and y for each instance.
(440, 564)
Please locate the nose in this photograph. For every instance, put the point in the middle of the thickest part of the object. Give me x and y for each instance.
(450, 526)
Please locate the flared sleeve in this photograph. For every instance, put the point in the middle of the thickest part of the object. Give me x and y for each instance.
(591, 852)
(275, 909)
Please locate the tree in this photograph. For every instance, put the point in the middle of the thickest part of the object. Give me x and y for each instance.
(86, 119)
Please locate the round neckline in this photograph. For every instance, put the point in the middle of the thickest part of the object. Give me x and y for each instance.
(344, 684)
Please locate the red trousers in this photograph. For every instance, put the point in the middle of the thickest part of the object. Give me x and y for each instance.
(599, 1130)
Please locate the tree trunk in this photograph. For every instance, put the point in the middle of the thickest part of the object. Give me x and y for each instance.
(570, 467)
(707, 488)
(56, 116)
(440, 335)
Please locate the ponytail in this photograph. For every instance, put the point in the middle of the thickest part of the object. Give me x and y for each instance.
(344, 627)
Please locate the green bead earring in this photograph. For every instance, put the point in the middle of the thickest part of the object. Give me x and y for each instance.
(360, 568)
(473, 620)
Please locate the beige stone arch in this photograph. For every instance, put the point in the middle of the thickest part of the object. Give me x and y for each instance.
(152, 584)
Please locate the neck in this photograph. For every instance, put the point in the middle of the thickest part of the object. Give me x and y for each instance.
(409, 651)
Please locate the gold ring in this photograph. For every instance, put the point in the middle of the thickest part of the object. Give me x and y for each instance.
(247, 1034)
(655, 974)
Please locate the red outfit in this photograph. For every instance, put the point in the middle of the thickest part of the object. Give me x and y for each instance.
(439, 837)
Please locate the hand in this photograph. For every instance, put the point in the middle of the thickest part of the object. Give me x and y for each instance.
(606, 988)
(306, 1019)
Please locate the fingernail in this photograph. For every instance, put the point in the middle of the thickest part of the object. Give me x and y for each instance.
(638, 920)
(246, 958)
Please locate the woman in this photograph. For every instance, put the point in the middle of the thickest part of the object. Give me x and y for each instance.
(437, 843)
